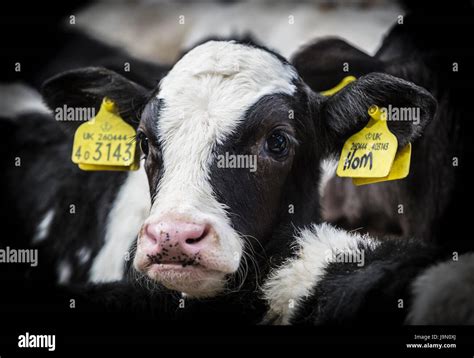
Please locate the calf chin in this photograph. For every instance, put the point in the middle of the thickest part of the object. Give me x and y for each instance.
(193, 282)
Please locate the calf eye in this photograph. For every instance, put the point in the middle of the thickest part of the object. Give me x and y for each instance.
(277, 144)
(143, 141)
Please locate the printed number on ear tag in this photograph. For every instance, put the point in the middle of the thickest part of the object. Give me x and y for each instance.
(106, 142)
(370, 152)
(400, 168)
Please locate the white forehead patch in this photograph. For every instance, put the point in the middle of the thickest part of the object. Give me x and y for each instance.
(213, 85)
(205, 97)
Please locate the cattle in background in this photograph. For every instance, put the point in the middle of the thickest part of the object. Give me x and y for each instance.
(63, 48)
(50, 43)
(432, 49)
(32, 131)
(51, 205)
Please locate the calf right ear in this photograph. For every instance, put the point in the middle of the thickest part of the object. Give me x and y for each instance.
(86, 88)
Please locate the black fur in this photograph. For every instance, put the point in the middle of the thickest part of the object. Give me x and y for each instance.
(320, 64)
(48, 180)
(88, 87)
(346, 111)
(368, 295)
(434, 195)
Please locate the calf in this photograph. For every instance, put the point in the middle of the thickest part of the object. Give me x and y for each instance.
(227, 98)
(214, 228)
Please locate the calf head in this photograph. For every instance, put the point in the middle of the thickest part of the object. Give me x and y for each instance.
(232, 139)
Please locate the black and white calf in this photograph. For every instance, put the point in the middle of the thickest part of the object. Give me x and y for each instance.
(215, 231)
(225, 98)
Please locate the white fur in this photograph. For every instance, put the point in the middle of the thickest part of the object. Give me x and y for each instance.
(130, 209)
(42, 229)
(328, 170)
(298, 276)
(18, 98)
(205, 97)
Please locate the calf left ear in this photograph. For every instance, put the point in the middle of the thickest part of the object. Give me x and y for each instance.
(87, 87)
(346, 112)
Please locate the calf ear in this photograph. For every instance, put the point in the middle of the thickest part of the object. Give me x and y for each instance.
(346, 112)
(324, 63)
(86, 88)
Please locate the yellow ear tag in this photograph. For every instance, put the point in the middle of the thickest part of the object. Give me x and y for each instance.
(400, 168)
(345, 81)
(105, 142)
(92, 167)
(370, 152)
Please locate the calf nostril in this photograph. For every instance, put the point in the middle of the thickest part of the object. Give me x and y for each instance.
(152, 235)
(151, 238)
(192, 241)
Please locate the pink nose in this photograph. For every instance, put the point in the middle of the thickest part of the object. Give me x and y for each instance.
(172, 241)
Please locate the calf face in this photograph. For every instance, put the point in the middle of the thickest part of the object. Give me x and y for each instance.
(232, 139)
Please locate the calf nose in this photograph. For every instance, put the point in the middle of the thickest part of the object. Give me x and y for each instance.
(174, 240)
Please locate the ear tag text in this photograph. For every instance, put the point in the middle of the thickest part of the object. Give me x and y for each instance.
(400, 168)
(370, 152)
(106, 142)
